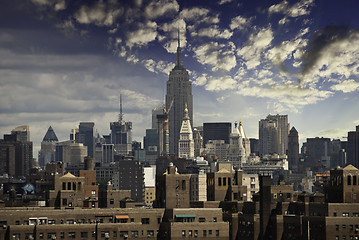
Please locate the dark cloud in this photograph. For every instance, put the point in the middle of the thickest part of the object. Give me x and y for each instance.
(321, 40)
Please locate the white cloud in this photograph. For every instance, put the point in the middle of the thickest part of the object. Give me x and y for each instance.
(213, 32)
(201, 80)
(224, 2)
(254, 50)
(298, 9)
(346, 86)
(100, 13)
(158, 9)
(219, 56)
(239, 23)
(220, 84)
(145, 33)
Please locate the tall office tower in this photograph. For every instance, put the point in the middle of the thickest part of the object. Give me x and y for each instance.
(246, 141)
(216, 131)
(353, 147)
(293, 149)
(186, 143)
(273, 134)
(22, 133)
(48, 147)
(16, 151)
(121, 135)
(86, 136)
(236, 152)
(70, 153)
(179, 93)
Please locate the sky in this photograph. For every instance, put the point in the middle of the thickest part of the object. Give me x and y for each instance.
(67, 61)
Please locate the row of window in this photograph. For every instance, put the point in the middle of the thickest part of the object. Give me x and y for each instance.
(194, 233)
(347, 214)
(345, 237)
(41, 221)
(85, 235)
(351, 227)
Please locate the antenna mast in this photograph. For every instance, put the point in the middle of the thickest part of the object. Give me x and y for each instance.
(120, 116)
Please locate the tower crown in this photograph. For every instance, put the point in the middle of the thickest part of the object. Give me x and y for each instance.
(179, 64)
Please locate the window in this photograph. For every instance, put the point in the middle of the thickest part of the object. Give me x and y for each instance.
(63, 186)
(202, 219)
(158, 220)
(253, 179)
(145, 220)
(349, 180)
(64, 202)
(74, 186)
(354, 180)
(334, 214)
(183, 233)
(217, 233)
(114, 234)
(288, 195)
(209, 232)
(70, 221)
(93, 192)
(219, 181)
(183, 184)
(224, 181)
(29, 236)
(134, 233)
(132, 220)
(62, 235)
(16, 236)
(150, 233)
(214, 219)
(253, 186)
(337, 227)
(190, 233)
(69, 186)
(72, 235)
(84, 235)
(195, 233)
(112, 201)
(123, 234)
(51, 236)
(204, 233)
(345, 214)
(52, 221)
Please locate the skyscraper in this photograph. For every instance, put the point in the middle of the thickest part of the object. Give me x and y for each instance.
(273, 134)
(48, 147)
(216, 131)
(87, 137)
(353, 147)
(179, 91)
(293, 149)
(121, 134)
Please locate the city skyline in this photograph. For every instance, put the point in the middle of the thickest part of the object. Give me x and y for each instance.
(67, 62)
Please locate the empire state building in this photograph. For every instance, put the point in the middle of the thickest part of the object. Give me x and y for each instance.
(179, 94)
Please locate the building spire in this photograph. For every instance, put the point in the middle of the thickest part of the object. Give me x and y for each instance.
(120, 116)
(179, 54)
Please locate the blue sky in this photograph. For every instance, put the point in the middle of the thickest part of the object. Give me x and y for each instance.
(63, 62)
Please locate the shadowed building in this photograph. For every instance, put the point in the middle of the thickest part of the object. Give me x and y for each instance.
(293, 150)
(353, 147)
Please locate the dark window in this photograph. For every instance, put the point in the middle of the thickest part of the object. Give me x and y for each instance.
(64, 202)
(202, 219)
(349, 180)
(69, 186)
(204, 233)
(224, 181)
(183, 184)
(74, 186)
(63, 186)
(112, 201)
(145, 220)
(354, 180)
(217, 233)
(84, 235)
(158, 220)
(219, 181)
(72, 235)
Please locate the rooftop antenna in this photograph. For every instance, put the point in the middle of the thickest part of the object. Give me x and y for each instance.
(120, 116)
